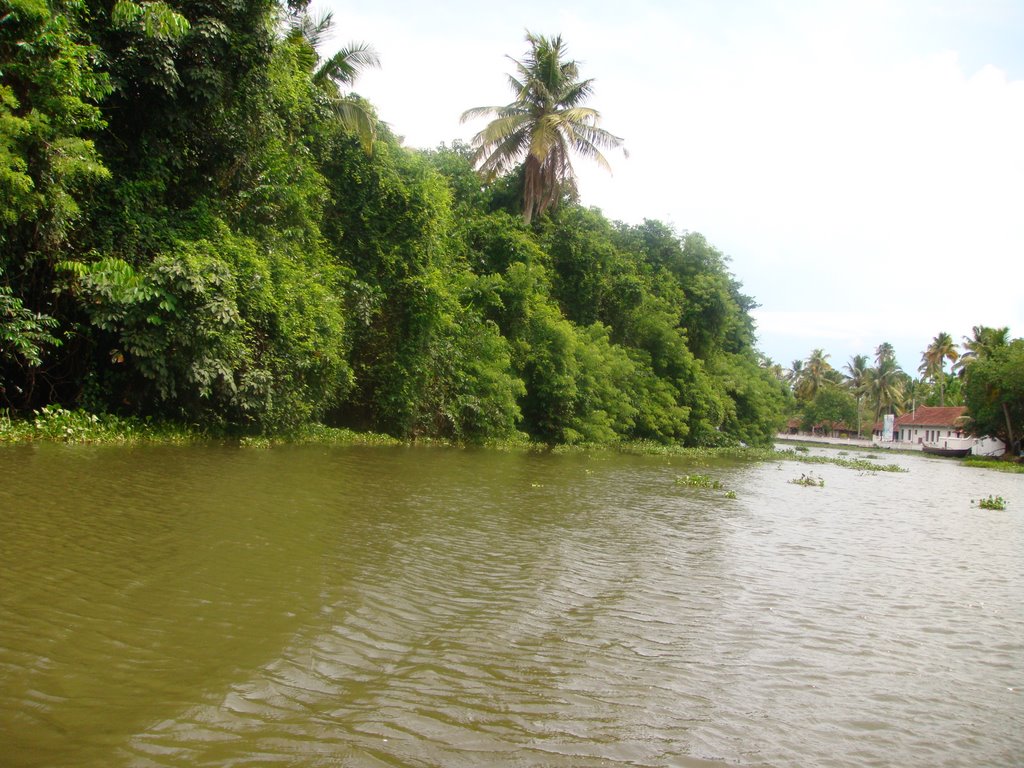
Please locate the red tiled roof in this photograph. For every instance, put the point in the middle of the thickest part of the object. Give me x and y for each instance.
(933, 416)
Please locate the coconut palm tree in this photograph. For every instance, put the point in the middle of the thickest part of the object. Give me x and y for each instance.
(816, 370)
(795, 375)
(333, 75)
(884, 351)
(886, 384)
(933, 361)
(542, 127)
(857, 374)
(981, 345)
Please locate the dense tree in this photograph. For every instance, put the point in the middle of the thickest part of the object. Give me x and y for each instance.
(542, 127)
(831, 406)
(49, 110)
(193, 228)
(994, 394)
(983, 341)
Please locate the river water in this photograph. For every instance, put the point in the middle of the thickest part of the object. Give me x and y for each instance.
(215, 606)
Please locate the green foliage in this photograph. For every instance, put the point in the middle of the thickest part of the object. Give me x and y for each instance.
(756, 400)
(698, 481)
(994, 393)
(831, 406)
(55, 424)
(999, 465)
(48, 105)
(155, 19)
(427, 362)
(859, 464)
(192, 228)
(455, 163)
(992, 502)
(214, 329)
(23, 333)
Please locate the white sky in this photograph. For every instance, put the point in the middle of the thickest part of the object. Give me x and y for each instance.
(861, 161)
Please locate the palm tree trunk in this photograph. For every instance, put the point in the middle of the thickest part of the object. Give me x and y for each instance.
(531, 187)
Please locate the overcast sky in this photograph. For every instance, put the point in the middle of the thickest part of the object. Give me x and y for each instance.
(861, 163)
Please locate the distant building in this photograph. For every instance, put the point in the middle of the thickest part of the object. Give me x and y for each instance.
(937, 430)
(941, 430)
(927, 424)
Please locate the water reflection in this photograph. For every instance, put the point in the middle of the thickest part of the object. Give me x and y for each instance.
(173, 607)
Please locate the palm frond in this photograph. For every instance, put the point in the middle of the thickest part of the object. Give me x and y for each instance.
(598, 136)
(478, 112)
(347, 64)
(315, 30)
(358, 120)
(501, 157)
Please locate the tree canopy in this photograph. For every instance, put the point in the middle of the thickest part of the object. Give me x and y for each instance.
(201, 222)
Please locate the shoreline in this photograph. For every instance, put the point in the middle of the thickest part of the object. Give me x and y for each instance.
(848, 442)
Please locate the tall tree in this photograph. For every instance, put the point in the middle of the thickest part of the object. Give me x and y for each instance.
(886, 382)
(857, 378)
(933, 361)
(883, 352)
(542, 127)
(984, 341)
(794, 374)
(856, 373)
(307, 33)
(816, 372)
(994, 394)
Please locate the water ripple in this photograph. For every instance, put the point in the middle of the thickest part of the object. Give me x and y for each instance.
(380, 607)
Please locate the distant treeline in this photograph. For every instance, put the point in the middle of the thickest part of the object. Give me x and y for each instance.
(196, 224)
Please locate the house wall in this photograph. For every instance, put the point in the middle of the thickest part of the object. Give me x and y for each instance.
(919, 433)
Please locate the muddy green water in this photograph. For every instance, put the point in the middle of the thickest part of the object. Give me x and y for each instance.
(166, 606)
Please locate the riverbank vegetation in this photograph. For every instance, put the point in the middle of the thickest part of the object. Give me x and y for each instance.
(53, 424)
(201, 224)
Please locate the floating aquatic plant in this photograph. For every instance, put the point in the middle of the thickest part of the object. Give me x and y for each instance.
(992, 502)
(860, 464)
(698, 481)
(809, 481)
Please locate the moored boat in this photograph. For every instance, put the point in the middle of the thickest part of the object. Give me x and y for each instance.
(949, 446)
